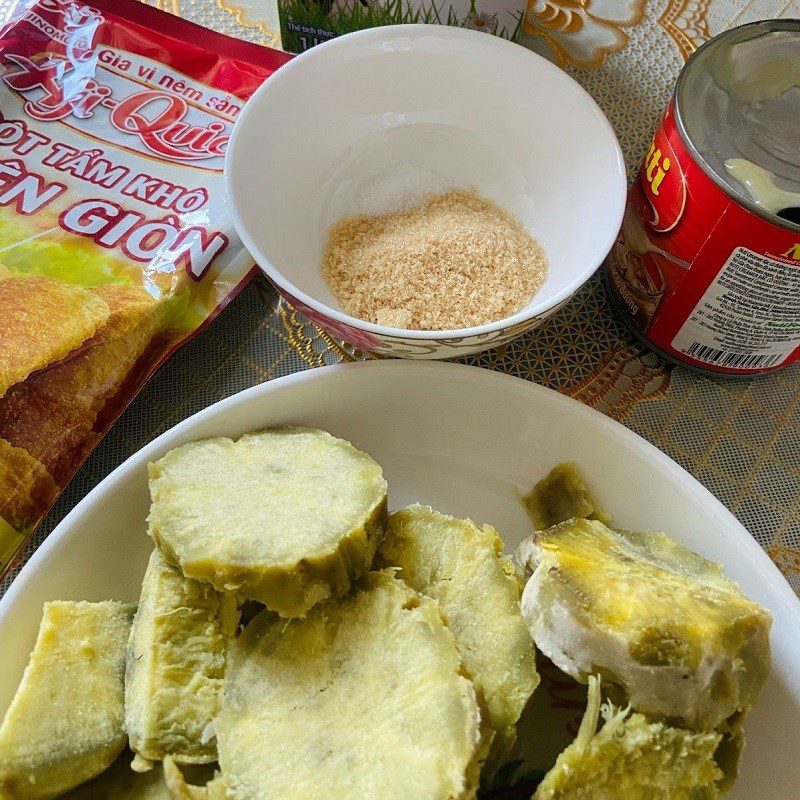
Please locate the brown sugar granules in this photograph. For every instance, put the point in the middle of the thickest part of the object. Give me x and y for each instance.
(453, 261)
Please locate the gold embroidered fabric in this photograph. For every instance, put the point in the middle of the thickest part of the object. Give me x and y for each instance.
(740, 439)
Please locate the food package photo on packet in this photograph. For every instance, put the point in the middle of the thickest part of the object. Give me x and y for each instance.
(306, 23)
(116, 245)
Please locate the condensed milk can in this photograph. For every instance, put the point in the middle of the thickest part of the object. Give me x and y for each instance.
(707, 264)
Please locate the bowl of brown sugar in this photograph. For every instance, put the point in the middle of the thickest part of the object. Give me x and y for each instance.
(424, 191)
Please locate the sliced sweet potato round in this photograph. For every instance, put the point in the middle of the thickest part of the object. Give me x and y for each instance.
(462, 567)
(363, 698)
(287, 516)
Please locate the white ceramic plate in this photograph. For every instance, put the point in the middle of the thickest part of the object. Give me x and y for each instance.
(465, 440)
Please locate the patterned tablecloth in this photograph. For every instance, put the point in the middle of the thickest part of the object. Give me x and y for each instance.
(741, 439)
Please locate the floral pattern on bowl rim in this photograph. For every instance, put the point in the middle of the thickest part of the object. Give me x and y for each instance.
(392, 345)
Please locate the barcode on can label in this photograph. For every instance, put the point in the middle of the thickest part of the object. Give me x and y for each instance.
(748, 318)
(741, 360)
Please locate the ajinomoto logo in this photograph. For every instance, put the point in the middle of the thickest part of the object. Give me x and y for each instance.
(793, 252)
(72, 24)
(663, 184)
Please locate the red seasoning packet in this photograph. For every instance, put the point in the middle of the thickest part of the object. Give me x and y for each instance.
(115, 241)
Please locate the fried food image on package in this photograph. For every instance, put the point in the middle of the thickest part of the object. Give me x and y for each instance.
(52, 413)
(115, 247)
(25, 485)
(48, 417)
(43, 319)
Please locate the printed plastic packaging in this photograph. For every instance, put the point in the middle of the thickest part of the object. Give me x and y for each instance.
(115, 241)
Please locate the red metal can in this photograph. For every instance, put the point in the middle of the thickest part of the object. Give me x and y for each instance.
(707, 264)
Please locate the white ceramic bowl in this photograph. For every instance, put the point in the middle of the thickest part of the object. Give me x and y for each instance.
(387, 114)
(428, 426)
